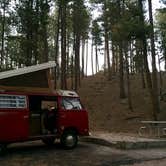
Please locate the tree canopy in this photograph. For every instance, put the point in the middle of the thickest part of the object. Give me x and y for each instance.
(36, 31)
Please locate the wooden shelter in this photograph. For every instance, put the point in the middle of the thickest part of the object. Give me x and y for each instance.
(33, 78)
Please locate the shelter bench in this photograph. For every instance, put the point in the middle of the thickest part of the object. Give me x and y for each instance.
(152, 129)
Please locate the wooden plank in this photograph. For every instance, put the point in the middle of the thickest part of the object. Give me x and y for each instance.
(25, 89)
(154, 122)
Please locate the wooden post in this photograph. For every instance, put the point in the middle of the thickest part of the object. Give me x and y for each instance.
(50, 79)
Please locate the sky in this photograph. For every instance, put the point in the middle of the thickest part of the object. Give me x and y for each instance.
(156, 4)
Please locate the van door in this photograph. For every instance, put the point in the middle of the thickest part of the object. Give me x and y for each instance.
(14, 117)
(35, 115)
(39, 106)
(72, 114)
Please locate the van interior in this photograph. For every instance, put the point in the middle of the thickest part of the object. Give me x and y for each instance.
(39, 107)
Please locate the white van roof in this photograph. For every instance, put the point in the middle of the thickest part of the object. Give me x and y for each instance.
(67, 93)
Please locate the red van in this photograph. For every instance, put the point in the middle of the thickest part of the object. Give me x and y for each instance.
(33, 116)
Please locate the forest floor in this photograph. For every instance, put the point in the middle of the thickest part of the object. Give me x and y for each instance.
(107, 112)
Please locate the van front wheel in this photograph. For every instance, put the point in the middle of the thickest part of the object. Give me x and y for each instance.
(69, 139)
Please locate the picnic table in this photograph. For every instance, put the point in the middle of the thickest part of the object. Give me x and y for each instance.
(153, 128)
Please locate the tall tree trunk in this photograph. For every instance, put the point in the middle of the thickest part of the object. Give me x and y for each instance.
(77, 37)
(83, 59)
(154, 69)
(121, 72)
(139, 53)
(28, 50)
(77, 60)
(97, 63)
(117, 59)
(44, 12)
(79, 68)
(67, 56)
(87, 50)
(57, 45)
(63, 46)
(108, 55)
(107, 40)
(131, 58)
(73, 66)
(164, 53)
(72, 71)
(120, 43)
(113, 59)
(142, 72)
(160, 75)
(105, 58)
(128, 79)
(92, 57)
(57, 33)
(148, 75)
(31, 36)
(35, 48)
(45, 44)
(2, 35)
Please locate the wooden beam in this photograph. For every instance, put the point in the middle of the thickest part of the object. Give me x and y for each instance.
(25, 89)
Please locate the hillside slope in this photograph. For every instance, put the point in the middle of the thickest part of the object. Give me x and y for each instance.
(107, 111)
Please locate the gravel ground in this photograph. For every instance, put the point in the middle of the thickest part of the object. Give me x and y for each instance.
(37, 154)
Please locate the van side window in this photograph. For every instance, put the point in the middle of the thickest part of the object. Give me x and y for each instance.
(12, 101)
(69, 103)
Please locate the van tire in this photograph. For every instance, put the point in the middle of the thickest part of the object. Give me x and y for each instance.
(48, 140)
(69, 139)
(3, 149)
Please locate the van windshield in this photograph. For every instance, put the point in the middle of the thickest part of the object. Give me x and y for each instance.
(69, 103)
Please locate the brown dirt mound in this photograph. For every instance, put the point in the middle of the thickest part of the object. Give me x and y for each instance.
(106, 110)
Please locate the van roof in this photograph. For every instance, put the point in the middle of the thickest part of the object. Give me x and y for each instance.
(67, 93)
